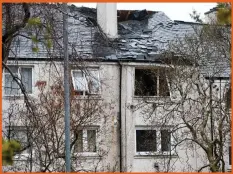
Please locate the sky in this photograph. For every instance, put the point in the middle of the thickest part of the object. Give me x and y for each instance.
(175, 11)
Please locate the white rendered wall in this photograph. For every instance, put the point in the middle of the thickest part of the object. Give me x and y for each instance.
(188, 159)
(108, 125)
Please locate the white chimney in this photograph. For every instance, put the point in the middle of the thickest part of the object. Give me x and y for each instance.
(107, 18)
(211, 16)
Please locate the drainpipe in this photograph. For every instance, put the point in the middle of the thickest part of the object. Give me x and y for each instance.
(211, 113)
(120, 122)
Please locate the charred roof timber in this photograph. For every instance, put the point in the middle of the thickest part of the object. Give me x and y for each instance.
(122, 15)
(125, 15)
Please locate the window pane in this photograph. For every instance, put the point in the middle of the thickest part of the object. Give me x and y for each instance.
(163, 85)
(165, 140)
(11, 87)
(13, 69)
(77, 74)
(91, 140)
(26, 75)
(93, 81)
(146, 141)
(79, 143)
(145, 82)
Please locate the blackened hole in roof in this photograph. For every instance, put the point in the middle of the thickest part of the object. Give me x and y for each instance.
(86, 11)
(132, 26)
(125, 15)
(138, 15)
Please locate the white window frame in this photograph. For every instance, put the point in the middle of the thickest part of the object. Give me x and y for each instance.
(86, 91)
(19, 76)
(85, 141)
(157, 86)
(84, 78)
(158, 141)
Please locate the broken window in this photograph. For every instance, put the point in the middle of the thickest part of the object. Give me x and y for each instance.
(146, 141)
(86, 82)
(24, 74)
(86, 140)
(151, 82)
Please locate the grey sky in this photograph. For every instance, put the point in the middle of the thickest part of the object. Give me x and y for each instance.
(175, 11)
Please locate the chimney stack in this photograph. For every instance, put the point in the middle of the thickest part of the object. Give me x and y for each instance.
(107, 18)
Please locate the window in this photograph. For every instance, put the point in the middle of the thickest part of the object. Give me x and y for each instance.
(19, 134)
(151, 82)
(24, 74)
(146, 140)
(152, 141)
(86, 140)
(86, 82)
(79, 81)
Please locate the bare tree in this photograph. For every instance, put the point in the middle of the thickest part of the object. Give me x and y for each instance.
(44, 131)
(196, 112)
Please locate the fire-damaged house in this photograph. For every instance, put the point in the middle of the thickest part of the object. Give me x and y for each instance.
(148, 93)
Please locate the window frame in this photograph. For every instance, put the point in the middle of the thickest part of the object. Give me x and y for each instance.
(73, 80)
(19, 67)
(157, 82)
(24, 155)
(85, 76)
(85, 141)
(158, 142)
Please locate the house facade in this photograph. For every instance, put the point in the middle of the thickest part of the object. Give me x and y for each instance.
(127, 97)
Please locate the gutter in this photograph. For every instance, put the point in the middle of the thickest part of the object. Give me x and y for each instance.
(59, 59)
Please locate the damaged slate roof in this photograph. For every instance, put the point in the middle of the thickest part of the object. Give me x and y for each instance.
(142, 35)
(137, 39)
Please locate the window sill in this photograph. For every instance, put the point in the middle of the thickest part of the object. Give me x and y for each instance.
(86, 155)
(90, 96)
(153, 99)
(21, 157)
(145, 155)
(16, 97)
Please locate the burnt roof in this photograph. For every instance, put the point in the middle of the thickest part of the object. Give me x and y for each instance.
(142, 35)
